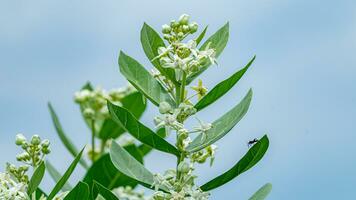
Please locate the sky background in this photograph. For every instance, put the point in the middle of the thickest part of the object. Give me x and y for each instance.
(304, 83)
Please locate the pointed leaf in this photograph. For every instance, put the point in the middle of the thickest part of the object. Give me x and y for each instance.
(262, 193)
(151, 41)
(201, 36)
(251, 158)
(40, 194)
(145, 149)
(129, 166)
(65, 140)
(104, 192)
(145, 135)
(104, 172)
(222, 126)
(53, 172)
(133, 102)
(143, 81)
(65, 177)
(218, 42)
(36, 178)
(222, 88)
(80, 191)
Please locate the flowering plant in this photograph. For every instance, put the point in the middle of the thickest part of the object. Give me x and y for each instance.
(119, 141)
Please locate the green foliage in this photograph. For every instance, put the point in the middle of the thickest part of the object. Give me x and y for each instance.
(222, 125)
(65, 177)
(140, 131)
(129, 166)
(143, 81)
(80, 191)
(252, 157)
(222, 88)
(36, 178)
(56, 176)
(104, 192)
(262, 193)
(64, 138)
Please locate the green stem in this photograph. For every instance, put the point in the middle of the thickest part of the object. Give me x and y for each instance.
(182, 87)
(93, 139)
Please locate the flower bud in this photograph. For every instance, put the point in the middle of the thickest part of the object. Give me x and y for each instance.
(180, 34)
(20, 139)
(35, 140)
(193, 27)
(185, 28)
(164, 107)
(88, 113)
(45, 143)
(174, 24)
(183, 167)
(166, 29)
(166, 36)
(184, 19)
(46, 150)
(23, 168)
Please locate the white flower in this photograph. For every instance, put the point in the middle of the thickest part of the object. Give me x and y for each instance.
(203, 129)
(12, 190)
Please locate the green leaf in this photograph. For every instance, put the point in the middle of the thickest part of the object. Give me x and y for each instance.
(56, 176)
(40, 194)
(143, 81)
(201, 36)
(104, 192)
(145, 135)
(222, 88)
(218, 42)
(88, 86)
(36, 178)
(221, 126)
(129, 166)
(145, 149)
(133, 102)
(64, 138)
(80, 191)
(251, 158)
(65, 177)
(151, 41)
(262, 193)
(104, 172)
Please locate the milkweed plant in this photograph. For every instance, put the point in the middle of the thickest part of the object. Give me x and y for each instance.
(114, 159)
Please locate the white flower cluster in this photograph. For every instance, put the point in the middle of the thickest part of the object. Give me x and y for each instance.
(93, 102)
(181, 189)
(128, 193)
(10, 189)
(183, 57)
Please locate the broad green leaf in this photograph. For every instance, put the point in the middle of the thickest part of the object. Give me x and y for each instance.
(56, 176)
(218, 42)
(64, 138)
(65, 177)
(80, 191)
(221, 126)
(201, 36)
(145, 149)
(133, 102)
(151, 41)
(129, 166)
(222, 88)
(36, 178)
(145, 135)
(262, 193)
(105, 173)
(104, 192)
(251, 158)
(40, 194)
(143, 81)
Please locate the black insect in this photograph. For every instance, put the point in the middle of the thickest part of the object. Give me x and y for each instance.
(252, 142)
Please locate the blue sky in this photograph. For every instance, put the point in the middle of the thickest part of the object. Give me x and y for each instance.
(303, 81)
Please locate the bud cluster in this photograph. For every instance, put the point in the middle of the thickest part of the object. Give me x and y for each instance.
(34, 150)
(11, 189)
(178, 30)
(183, 57)
(93, 102)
